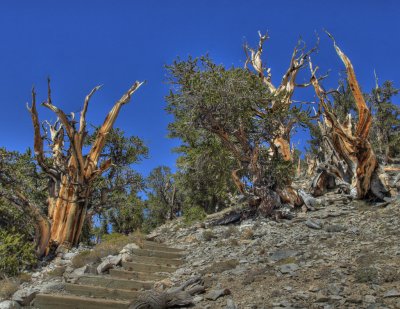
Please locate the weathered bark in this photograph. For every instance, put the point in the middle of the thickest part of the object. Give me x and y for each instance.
(312, 164)
(172, 298)
(352, 161)
(71, 174)
(298, 169)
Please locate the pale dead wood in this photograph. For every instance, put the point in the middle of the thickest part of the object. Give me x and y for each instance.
(82, 121)
(391, 168)
(350, 159)
(100, 140)
(171, 298)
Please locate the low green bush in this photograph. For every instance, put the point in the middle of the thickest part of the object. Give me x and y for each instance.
(16, 254)
(194, 214)
(208, 235)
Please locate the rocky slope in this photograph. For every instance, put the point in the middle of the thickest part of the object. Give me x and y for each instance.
(342, 255)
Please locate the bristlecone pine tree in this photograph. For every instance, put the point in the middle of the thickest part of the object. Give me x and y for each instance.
(350, 159)
(283, 93)
(251, 118)
(71, 173)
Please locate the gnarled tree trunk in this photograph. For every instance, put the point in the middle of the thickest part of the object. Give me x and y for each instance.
(283, 93)
(352, 161)
(282, 100)
(71, 174)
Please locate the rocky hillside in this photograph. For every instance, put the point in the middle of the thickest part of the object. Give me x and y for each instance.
(342, 254)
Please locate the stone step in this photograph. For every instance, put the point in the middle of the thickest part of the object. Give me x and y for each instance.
(156, 260)
(156, 253)
(100, 292)
(147, 268)
(151, 245)
(114, 283)
(44, 301)
(125, 274)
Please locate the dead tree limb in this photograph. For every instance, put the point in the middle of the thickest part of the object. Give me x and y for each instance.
(352, 161)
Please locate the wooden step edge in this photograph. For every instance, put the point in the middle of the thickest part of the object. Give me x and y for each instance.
(136, 275)
(147, 282)
(158, 253)
(44, 301)
(142, 267)
(160, 246)
(150, 265)
(116, 283)
(154, 260)
(152, 243)
(100, 292)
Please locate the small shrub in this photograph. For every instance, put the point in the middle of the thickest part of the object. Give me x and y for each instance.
(139, 238)
(389, 274)
(24, 277)
(252, 276)
(83, 258)
(112, 237)
(16, 253)
(366, 275)
(234, 242)
(106, 248)
(8, 288)
(194, 214)
(208, 235)
(288, 260)
(247, 234)
(220, 244)
(231, 230)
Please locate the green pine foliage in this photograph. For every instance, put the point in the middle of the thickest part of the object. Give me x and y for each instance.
(16, 253)
(207, 99)
(17, 230)
(385, 133)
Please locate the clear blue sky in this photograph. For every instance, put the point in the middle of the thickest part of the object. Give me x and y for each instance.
(81, 44)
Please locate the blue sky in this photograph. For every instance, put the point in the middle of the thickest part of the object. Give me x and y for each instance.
(81, 44)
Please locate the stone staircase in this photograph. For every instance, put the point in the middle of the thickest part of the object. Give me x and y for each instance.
(153, 262)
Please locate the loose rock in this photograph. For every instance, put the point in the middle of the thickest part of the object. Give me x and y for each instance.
(215, 294)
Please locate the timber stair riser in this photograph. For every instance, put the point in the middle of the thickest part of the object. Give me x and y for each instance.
(132, 266)
(115, 283)
(100, 292)
(156, 247)
(157, 253)
(45, 301)
(125, 274)
(156, 260)
(153, 262)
